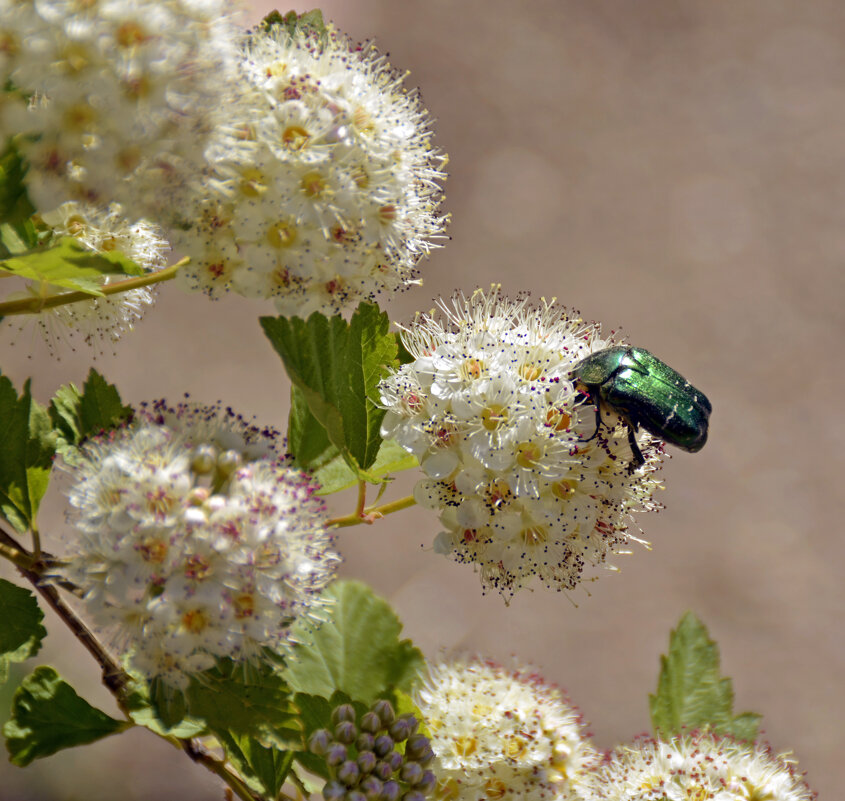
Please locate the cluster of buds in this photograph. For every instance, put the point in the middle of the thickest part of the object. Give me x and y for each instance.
(363, 758)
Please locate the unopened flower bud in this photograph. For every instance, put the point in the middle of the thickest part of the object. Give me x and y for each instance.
(383, 770)
(411, 772)
(343, 712)
(366, 761)
(228, 462)
(417, 746)
(394, 759)
(333, 791)
(355, 795)
(365, 741)
(400, 729)
(413, 795)
(426, 759)
(349, 773)
(319, 742)
(384, 709)
(427, 783)
(345, 732)
(203, 459)
(336, 754)
(390, 791)
(371, 787)
(383, 745)
(371, 723)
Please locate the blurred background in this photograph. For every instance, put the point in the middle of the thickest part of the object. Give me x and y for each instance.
(673, 169)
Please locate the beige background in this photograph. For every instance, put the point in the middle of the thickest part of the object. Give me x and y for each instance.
(674, 168)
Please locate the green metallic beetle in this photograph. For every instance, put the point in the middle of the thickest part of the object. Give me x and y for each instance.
(644, 392)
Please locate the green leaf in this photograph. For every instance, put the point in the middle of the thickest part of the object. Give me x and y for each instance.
(70, 265)
(357, 650)
(21, 631)
(307, 22)
(15, 205)
(337, 366)
(161, 708)
(17, 238)
(336, 475)
(100, 407)
(691, 693)
(77, 415)
(244, 700)
(264, 768)
(48, 715)
(308, 440)
(27, 445)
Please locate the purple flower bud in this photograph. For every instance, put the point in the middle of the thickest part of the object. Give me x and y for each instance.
(384, 709)
(349, 773)
(365, 741)
(411, 772)
(394, 759)
(366, 761)
(427, 783)
(336, 754)
(413, 795)
(383, 770)
(400, 730)
(355, 795)
(333, 791)
(319, 742)
(383, 745)
(345, 732)
(427, 758)
(371, 722)
(343, 712)
(417, 745)
(412, 721)
(390, 791)
(371, 787)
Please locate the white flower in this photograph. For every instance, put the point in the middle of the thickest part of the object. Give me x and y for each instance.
(698, 766)
(195, 539)
(325, 192)
(525, 483)
(501, 734)
(101, 230)
(120, 89)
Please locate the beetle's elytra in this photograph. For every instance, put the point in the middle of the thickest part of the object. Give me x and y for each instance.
(645, 392)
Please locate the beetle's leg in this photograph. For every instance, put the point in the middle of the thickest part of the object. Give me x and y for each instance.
(599, 421)
(638, 460)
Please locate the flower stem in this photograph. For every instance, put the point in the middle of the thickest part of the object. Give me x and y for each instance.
(16, 557)
(369, 516)
(36, 305)
(362, 498)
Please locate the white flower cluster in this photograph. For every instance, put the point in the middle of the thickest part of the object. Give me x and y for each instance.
(501, 734)
(696, 766)
(525, 483)
(106, 230)
(117, 89)
(326, 190)
(195, 540)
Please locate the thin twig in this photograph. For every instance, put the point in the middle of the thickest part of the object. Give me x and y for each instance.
(372, 514)
(35, 305)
